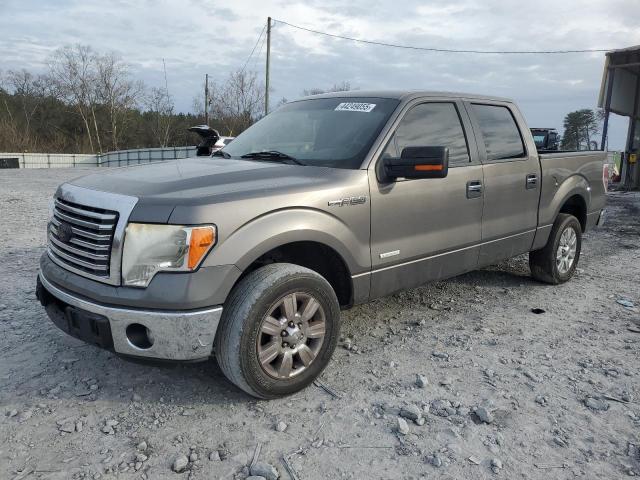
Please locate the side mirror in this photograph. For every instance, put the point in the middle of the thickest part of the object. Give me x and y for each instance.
(418, 162)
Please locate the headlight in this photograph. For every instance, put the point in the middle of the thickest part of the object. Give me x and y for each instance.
(149, 249)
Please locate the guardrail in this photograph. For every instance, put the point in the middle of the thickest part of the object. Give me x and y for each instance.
(119, 158)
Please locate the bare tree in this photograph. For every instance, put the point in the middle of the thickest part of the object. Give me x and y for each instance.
(73, 74)
(116, 91)
(160, 104)
(30, 91)
(337, 87)
(239, 101)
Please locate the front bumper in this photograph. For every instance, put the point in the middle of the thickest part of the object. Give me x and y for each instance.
(151, 334)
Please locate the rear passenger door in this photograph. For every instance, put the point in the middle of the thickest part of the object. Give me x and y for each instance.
(426, 229)
(511, 181)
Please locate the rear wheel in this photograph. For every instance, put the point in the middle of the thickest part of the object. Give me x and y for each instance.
(557, 261)
(278, 330)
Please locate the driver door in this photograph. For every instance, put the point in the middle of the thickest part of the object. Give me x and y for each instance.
(427, 229)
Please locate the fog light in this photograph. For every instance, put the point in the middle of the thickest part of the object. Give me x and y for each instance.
(139, 336)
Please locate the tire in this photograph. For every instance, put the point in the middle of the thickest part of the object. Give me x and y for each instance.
(259, 305)
(545, 264)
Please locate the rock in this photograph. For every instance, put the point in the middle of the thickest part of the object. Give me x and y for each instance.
(446, 381)
(484, 415)
(281, 427)
(596, 404)
(443, 355)
(180, 463)
(440, 407)
(255, 477)
(266, 470)
(403, 426)
(496, 464)
(141, 457)
(193, 457)
(214, 456)
(25, 415)
(108, 430)
(12, 413)
(625, 303)
(142, 446)
(68, 427)
(79, 426)
(421, 381)
(542, 400)
(411, 412)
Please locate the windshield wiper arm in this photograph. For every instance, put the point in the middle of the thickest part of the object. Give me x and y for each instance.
(272, 155)
(220, 153)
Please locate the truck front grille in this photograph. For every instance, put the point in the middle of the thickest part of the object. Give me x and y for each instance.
(81, 237)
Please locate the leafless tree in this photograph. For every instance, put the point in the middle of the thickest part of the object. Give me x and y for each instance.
(30, 90)
(160, 104)
(337, 87)
(238, 102)
(116, 91)
(73, 75)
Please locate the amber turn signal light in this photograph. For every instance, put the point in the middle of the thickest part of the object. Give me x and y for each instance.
(429, 168)
(202, 239)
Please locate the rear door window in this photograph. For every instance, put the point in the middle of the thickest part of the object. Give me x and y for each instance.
(500, 131)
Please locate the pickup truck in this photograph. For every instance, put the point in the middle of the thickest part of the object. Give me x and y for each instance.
(328, 202)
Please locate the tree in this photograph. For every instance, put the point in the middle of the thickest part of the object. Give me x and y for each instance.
(72, 73)
(580, 128)
(239, 101)
(116, 92)
(337, 87)
(160, 105)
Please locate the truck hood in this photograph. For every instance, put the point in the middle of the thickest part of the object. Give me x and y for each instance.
(162, 186)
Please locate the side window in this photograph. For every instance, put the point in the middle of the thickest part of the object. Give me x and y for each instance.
(431, 125)
(502, 138)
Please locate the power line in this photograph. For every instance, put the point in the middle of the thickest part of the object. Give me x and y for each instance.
(254, 49)
(443, 50)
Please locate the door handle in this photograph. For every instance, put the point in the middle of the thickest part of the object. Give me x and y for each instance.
(474, 189)
(532, 181)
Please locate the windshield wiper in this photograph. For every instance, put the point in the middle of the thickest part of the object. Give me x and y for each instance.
(220, 153)
(272, 155)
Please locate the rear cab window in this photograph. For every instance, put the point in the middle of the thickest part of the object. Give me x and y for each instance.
(500, 132)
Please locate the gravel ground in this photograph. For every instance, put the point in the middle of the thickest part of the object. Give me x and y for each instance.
(501, 392)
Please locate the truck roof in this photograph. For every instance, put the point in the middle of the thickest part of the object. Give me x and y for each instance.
(405, 95)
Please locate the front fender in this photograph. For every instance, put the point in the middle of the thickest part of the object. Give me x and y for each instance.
(276, 228)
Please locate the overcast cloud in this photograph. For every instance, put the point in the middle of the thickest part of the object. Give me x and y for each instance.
(198, 37)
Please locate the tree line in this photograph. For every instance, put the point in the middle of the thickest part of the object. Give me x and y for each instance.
(88, 102)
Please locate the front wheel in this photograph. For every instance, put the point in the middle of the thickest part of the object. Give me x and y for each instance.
(278, 330)
(557, 261)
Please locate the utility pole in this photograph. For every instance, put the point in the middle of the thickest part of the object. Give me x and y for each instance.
(206, 99)
(266, 82)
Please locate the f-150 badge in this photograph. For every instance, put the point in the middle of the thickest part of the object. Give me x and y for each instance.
(343, 202)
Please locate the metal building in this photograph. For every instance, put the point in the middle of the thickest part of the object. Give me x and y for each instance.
(620, 93)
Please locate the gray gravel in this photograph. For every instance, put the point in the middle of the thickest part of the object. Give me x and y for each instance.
(561, 386)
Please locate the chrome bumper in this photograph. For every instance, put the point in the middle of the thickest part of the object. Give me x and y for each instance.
(175, 335)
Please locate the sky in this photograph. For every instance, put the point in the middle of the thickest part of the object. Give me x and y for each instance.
(215, 37)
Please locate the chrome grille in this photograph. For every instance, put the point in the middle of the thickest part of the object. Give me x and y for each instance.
(81, 237)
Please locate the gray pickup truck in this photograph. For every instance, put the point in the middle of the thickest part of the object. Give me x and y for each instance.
(328, 202)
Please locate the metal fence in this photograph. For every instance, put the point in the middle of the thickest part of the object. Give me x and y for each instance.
(139, 156)
(119, 158)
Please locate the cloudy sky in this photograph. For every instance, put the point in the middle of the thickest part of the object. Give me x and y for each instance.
(207, 36)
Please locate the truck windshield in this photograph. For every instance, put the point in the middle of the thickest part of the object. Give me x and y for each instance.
(325, 132)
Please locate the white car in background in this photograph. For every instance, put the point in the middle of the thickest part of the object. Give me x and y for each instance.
(212, 141)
